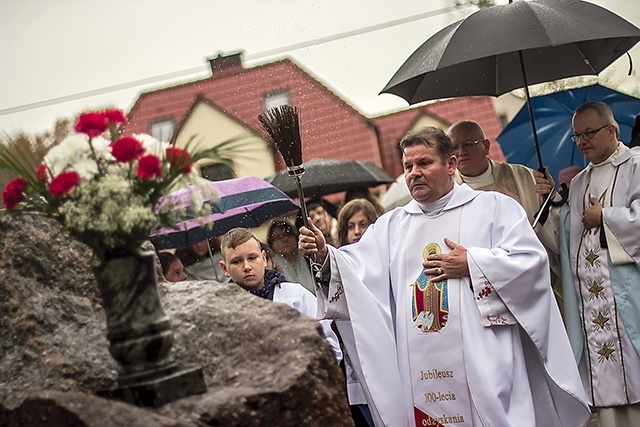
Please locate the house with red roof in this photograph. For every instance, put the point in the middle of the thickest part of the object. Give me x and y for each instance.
(222, 110)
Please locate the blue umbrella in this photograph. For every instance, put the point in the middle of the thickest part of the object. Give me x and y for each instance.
(553, 115)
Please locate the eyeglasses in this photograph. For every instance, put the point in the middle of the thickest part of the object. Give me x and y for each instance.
(466, 145)
(587, 134)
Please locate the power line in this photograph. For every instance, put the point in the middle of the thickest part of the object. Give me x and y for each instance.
(256, 56)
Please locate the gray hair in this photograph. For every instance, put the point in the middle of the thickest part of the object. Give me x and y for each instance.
(602, 110)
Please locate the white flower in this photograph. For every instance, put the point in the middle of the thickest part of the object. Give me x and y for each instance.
(101, 147)
(86, 167)
(75, 153)
(151, 145)
(108, 207)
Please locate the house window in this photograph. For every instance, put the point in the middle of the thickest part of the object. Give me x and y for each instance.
(275, 99)
(162, 130)
(217, 172)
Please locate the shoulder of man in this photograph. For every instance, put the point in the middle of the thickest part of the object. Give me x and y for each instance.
(515, 167)
(495, 197)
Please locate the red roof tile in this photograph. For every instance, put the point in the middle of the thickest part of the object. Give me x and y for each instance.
(330, 128)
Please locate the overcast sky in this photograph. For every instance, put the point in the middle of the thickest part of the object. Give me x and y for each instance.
(52, 49)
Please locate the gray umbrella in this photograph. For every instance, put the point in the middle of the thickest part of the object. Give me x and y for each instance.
(328, 176)
(501, 48)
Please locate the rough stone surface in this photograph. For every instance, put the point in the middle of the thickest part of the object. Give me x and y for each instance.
(264, 363)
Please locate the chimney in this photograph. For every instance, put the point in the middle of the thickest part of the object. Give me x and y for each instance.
(225, 63)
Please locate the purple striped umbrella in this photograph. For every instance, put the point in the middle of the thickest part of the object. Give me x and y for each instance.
(243, 202)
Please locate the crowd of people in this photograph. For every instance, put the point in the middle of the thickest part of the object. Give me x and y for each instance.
(453, 309)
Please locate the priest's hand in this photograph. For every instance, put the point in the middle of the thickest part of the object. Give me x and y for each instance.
(544, 182)
(312, 244)
(592, 216)
(445, 266)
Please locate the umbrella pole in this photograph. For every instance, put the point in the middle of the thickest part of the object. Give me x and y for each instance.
(543, 212)
(530, 108)
(213, 265)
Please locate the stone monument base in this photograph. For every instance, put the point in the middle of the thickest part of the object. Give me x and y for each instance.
(156, 392)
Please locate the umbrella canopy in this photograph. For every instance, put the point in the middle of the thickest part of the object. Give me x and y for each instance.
(553, 115)
(501, 48)
(327, 176)
(240, 202)
(478, 55)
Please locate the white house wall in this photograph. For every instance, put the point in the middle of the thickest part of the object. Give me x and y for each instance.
(210, 127)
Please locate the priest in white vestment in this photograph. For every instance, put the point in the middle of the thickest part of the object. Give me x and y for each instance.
(446, 309)
(601, 253)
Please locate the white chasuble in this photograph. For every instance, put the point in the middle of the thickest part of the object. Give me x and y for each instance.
(434, 333)
(488, 349)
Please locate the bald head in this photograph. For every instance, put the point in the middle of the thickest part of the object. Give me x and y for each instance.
(468, 126)
(471, 147)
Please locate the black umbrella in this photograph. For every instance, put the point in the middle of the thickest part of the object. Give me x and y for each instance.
(501, 48)
(327, 176)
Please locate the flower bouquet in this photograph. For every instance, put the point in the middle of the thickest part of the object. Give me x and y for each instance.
(103, 191)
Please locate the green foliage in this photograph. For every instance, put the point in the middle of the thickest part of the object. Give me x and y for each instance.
(20, 155)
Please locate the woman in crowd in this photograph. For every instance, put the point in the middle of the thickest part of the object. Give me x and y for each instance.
(270, 261)
(202, 260)
(172, 267)
(283, 239)
(353, 220)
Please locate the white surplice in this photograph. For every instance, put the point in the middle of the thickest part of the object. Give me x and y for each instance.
(510, 363)
(297, 296)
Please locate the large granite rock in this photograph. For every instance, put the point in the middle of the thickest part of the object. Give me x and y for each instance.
(264, 363)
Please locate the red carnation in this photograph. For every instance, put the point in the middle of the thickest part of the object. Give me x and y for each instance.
(63, 183)
(13, 193)
(41, 173)
(127, 149)
(115, 116)
(149, 167)
(93, 124)
(179, 158)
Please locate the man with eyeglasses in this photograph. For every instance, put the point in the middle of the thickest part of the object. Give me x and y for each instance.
(601, 245)
(445, 306)
(479, 172)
